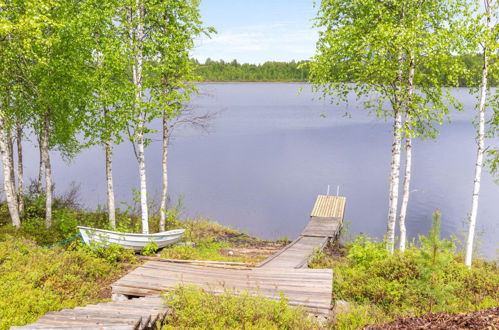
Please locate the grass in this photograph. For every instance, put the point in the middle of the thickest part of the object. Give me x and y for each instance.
(34, 281)
(194, 308)
(212, 241)
(428, 277)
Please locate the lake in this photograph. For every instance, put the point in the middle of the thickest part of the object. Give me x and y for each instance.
(269, 153)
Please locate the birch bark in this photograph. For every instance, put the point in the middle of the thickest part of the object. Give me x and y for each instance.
(408, 160)
(110, 187)
(10, 147)
(395, 161)
(10, 195)
(480, 139)
(164, 166)
(394, 179)
(406, 193)
(138, 33)
(41, 168)
(20, 168)
(48, 170)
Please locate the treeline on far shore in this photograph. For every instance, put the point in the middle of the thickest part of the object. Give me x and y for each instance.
(299, 71)
(268, 71)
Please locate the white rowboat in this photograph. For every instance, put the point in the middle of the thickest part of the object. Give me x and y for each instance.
(135, 242)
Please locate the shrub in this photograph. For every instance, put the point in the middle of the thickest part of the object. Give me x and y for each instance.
(430, 277)
(194, 308)
(34, 281)
(150, 249)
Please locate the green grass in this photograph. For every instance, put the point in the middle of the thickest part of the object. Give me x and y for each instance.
(193, 308)
(34, 281)
(429, 278)
(212, 241)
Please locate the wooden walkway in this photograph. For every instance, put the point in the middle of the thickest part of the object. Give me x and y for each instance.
(284, 272)
(140, 313)
(325, 223)
(309, 288)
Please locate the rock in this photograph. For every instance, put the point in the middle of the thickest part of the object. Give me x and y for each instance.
(341, 306)
(230, 253)
(118, 297)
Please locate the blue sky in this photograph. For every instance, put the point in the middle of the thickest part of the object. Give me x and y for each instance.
(255, 31)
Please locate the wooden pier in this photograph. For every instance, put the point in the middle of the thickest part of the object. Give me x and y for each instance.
(141, 313)
(325, 223)
(139, 305)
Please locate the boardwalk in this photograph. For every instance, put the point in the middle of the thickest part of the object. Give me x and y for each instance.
(309, 288)
(325, 222)
(284, 272)
(142, 313)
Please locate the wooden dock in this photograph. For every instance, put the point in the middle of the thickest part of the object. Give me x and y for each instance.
(140, 313)
(284, 272)
(309, 288)
(325, 223)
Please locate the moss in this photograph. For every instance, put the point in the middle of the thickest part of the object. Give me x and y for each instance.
(34, 281)
(194, 308)
(382, 287)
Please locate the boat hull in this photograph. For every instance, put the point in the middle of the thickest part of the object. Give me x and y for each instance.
(135, 242)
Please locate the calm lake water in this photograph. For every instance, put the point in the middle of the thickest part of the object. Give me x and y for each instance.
(269, 154)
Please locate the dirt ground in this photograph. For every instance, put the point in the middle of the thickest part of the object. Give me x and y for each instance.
(483, 319)
(265, 250)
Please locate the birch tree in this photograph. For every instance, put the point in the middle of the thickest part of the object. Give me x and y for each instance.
(59, 77)
(159, 37)
(20, 23)
(372, 49)
(133, 20)
(107, 117)
(172, 78)
(489, 45)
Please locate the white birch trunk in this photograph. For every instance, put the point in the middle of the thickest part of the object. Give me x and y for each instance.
(10, 194)
(138, 33)
(164, 166)
(48, 170)
(143, 184)
(395, 162)
(110, 187)
(408, 159)
(10, 146)
(20, 168)
(405, 196)
(41, 168)
(480, 151)
(394, 180)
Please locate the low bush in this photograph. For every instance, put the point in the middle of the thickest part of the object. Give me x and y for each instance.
(428, 277)
(194, 308)
(36, 280)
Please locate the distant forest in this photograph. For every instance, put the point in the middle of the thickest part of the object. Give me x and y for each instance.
(299, 71)
(268, 71)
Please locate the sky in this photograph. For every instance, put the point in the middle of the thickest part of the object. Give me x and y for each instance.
(256, 31)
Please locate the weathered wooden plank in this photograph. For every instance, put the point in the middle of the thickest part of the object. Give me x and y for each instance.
(200, 262)
(283, 272)
(297, 293)
(77, 327)
(157, 283)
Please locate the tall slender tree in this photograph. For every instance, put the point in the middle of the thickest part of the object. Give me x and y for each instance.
(107, 117)
(21, 23)
(172, 75)
(159, 35)
(372, 48)
(489, 42)
(59, 77)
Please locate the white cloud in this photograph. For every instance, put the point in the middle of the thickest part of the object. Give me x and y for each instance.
(278, 41)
